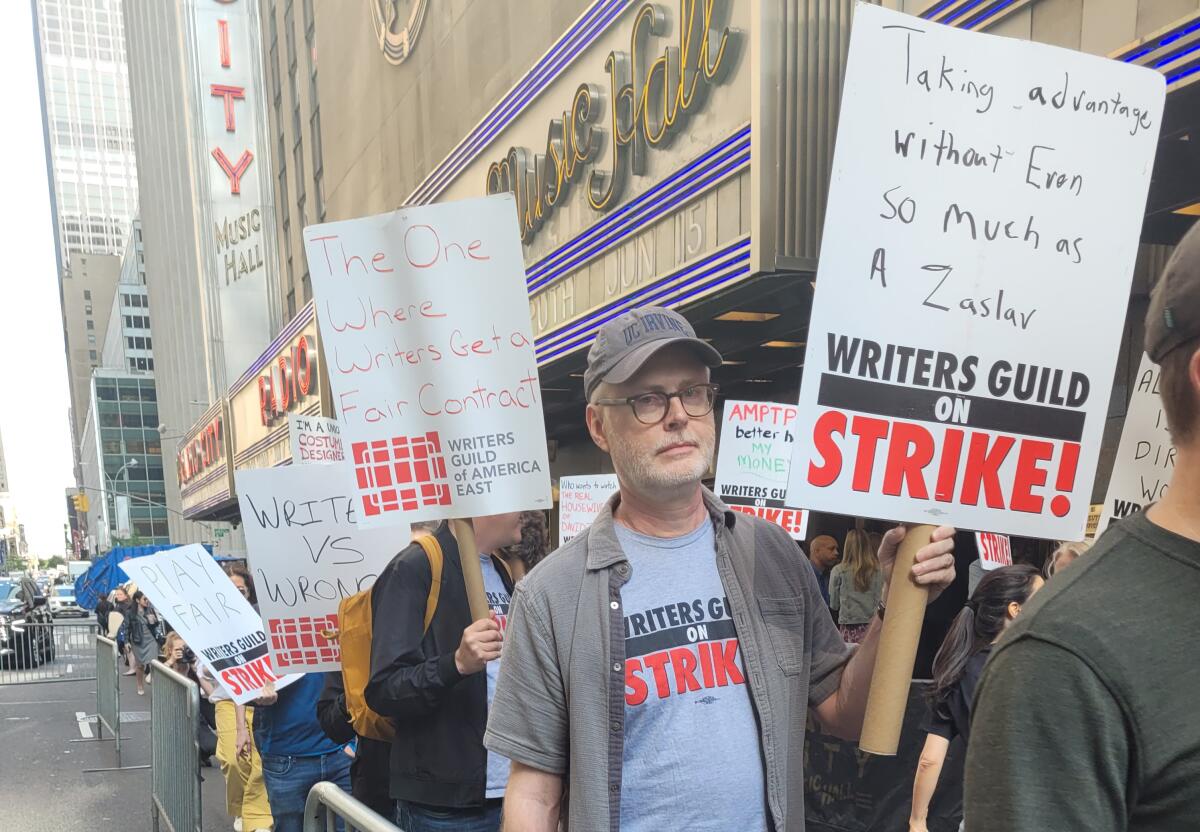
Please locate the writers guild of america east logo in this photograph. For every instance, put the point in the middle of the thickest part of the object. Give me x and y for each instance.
(397, 24)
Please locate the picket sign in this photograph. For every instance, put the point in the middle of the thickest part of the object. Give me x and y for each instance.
(1145, 455)
(307, 552)
(580, 499)
(980, 187)
(753, 460)
(191, 591)
(425, 327)
(995, 550)
(315, 439)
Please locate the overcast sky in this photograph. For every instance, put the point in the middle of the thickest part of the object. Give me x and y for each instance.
(33, 369)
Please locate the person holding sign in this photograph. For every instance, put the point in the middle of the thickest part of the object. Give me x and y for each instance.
(692, 639)
(436, 679)
(1086, 714)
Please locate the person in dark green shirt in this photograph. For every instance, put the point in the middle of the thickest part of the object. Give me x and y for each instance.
(1086, 717)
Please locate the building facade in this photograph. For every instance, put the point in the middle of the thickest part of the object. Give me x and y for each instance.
(122, 461)
(673, 153)
(87, 296)
(199, 116)
(289, 34)
(660, 153)
(85, 100)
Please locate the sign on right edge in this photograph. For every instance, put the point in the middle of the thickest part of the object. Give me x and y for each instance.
(983, 219)
(1145, 456)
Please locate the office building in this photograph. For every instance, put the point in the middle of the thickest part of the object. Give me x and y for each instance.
(87, 290)
(85, 100)
(122, 461)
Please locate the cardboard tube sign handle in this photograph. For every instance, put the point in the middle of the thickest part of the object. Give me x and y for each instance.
(468, 554)
(888, 695)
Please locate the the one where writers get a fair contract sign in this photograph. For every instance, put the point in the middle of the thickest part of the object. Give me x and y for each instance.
(189, 589)
(984, 213)
(307, 553)
(1145, 456)
(426, 332)
(753, 462)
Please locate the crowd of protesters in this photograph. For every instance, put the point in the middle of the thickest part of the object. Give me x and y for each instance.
(659, 668)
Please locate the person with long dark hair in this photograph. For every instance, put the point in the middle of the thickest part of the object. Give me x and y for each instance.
(994, 605)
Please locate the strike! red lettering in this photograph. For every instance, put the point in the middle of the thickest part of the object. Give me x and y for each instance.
(831, 422)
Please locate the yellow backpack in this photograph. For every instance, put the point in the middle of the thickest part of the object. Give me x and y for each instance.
(355, 630)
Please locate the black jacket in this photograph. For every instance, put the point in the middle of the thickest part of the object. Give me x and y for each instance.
(369, 779)
(438, 756)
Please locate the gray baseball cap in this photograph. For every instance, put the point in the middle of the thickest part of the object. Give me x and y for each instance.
(626, 342)
(1173, 316)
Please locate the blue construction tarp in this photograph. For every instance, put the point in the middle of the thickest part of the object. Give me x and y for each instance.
(106, 574)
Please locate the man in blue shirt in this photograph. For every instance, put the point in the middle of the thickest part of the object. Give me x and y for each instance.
(823, 556)
(296, 754)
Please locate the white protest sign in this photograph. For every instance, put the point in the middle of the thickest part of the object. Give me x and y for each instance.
(1145, 456)
(995, 550)
(425, 327)
(315, 439)
(753, 461)
(981, 187)
(188, 588)
(580, 499)
(307, 553)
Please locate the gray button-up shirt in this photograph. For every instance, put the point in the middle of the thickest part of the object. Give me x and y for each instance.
(560, 699)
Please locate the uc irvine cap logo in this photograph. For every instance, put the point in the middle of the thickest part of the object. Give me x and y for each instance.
(396, 38)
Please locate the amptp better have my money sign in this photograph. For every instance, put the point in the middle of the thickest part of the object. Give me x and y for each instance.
(425, 327)
(983, 220)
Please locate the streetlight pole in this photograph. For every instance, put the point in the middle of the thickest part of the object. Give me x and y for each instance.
(123, 470)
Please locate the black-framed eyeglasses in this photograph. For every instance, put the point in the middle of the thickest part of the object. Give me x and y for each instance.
(651, 408)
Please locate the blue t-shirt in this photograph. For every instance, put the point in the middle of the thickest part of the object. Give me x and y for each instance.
(692, 758)
(289, 728)
(498, 600)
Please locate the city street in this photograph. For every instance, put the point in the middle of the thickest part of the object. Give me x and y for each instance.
(44, 787)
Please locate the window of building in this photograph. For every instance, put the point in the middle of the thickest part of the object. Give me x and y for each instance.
(314, 124)
(129, 342)
(87, 294)
(306, 286)
(91, 324)
(291, 304)
(87, 309)
(150, 364)
(92, 338)
(149, 344)
(92, 355)
(289, 34)
(283, 196)
(132, 364)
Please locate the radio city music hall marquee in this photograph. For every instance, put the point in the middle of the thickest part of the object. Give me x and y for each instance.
(202, 452)
(645, 105)
(287, 381)
(237, 238)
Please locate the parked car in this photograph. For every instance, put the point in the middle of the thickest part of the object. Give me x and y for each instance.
(62, 602)
(26, 625)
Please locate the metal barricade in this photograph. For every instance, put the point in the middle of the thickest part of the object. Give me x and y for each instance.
(328, 804)
(44, 651)
(108, 700)
(108, 690)
(174, 751)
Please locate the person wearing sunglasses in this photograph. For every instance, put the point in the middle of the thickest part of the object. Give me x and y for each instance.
(660, 666)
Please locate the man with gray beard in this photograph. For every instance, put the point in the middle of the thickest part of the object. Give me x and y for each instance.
(662, 664)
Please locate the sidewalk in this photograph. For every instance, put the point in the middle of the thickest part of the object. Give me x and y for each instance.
(42, 784)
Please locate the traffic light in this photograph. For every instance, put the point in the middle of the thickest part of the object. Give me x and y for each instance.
(81, 502)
